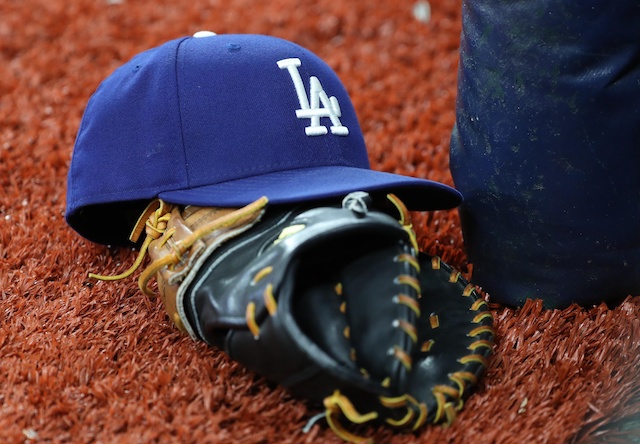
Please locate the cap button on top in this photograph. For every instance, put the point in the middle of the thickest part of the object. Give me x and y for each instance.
(201, 34)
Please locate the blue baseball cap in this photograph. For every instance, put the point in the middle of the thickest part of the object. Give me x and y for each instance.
(221, 120)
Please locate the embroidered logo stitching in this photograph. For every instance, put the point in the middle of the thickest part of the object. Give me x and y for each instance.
(310, 106)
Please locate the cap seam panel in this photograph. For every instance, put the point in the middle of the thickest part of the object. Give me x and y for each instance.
(180, 116)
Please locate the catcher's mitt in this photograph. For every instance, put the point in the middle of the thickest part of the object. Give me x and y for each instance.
(333, 302)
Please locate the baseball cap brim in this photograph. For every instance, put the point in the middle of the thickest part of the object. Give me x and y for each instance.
(222, 121)
(306, 184)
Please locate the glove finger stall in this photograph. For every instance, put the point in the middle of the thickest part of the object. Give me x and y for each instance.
(258, 298)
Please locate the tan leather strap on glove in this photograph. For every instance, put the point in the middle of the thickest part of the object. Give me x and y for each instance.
(176, 238)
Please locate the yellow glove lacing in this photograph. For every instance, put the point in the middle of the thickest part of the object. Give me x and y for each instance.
(158, 214)
(338, 405)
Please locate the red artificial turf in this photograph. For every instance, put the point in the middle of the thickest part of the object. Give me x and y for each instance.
(99, 362)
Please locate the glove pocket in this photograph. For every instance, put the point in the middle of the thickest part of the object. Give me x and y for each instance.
(381, 293)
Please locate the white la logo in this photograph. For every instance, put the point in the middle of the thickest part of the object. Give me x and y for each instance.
(310, 107)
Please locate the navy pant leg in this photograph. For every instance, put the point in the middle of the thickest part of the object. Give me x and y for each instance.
(546, 149)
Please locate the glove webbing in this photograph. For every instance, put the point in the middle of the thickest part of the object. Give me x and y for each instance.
(449, 399)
